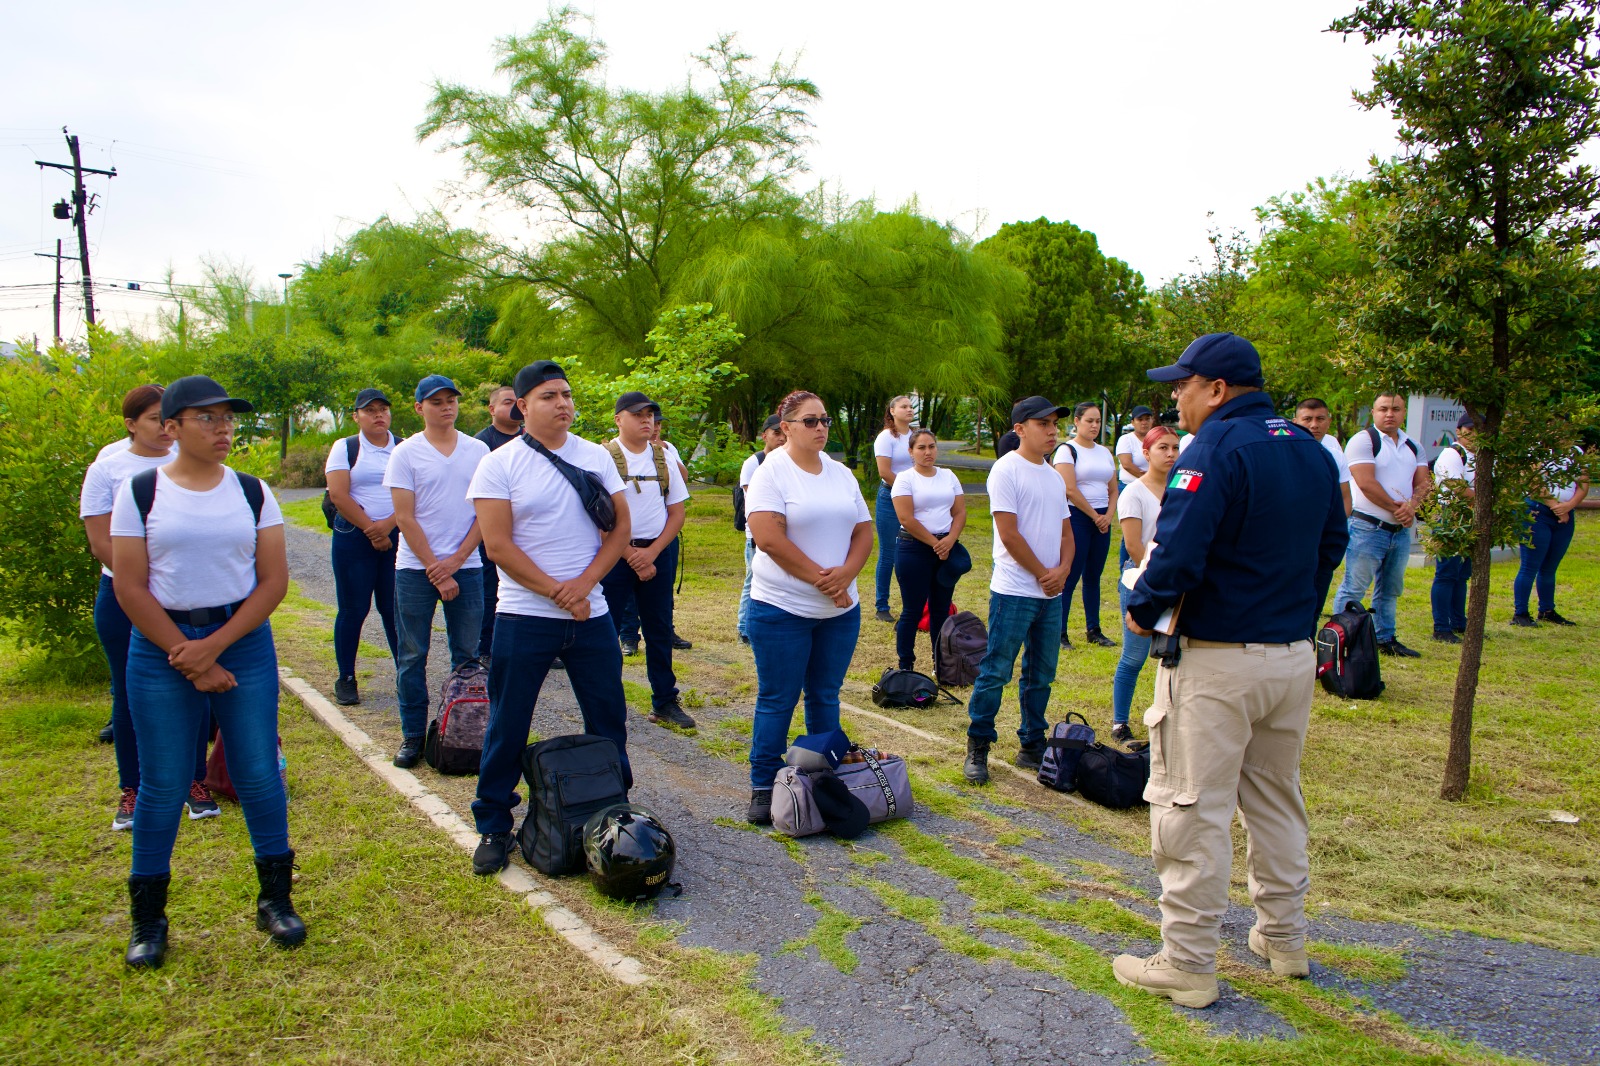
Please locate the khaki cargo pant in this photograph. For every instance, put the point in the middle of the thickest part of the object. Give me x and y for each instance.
(1227, 729)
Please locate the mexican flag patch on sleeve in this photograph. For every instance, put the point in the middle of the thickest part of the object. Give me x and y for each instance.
(1187, 480)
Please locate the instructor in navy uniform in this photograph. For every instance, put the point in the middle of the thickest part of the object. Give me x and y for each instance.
(1251, 529)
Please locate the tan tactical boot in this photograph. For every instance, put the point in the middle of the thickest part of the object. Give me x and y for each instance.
(1285, 963)
(1160, 978)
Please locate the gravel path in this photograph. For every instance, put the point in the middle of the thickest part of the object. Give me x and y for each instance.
(912, 1000)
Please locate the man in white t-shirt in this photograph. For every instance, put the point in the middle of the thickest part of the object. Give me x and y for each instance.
(1388, 480)
(1455, 472)
(1314, 415)
(1131, 463)
(552, 558)
(1032, 556)
(649, 564)
(625, 610)
(771, 437)
(427, 478)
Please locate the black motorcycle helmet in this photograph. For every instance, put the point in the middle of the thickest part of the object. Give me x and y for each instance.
(628, 851)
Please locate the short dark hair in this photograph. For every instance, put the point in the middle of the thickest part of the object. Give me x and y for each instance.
(140, 399)
(1310, 403)
(1388, 394)
(495, 390)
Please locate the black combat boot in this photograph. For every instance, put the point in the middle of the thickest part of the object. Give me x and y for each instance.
(147, 947)
(976, 768)
(274, 909)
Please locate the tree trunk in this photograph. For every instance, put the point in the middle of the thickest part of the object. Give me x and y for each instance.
(283, 444)
(1458, 764)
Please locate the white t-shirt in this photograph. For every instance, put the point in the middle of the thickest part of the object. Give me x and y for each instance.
(672, 452)
(1395, 466)
(1034, 493)
(1130, 445)
(821, 512)
(931, 497)
(747, 472)
(647, 508)
(104, 478)
(201, 545)
(548, 522)
(1096, 469)
(1337, 452)
(366, 480)
(895, 449)
(121, 444)
(440, 484)
(1137, 501)
(1562, 468)
(1184, 442)
(1451, 465)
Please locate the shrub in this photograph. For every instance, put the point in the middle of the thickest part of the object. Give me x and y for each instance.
(303, 467)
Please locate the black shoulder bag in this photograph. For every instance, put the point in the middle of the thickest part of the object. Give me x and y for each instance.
(590, 489)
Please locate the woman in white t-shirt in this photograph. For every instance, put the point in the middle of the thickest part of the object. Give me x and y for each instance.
(892, 450)
(932, 510)
(1549, 533)
(812, 534)
(199, 557)
(148, 446)
(364, 538)
(1137, 509)
(1089, 471)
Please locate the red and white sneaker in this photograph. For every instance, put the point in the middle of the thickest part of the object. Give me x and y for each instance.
(123, 819)
(200, 802)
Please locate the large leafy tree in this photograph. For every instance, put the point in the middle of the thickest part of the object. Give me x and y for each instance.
(620, 188)
(1481, 289)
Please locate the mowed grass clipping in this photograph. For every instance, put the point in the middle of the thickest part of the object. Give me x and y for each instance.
(410, 957)
(1383, 845)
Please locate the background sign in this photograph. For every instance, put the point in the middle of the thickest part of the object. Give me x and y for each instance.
(1431, 422)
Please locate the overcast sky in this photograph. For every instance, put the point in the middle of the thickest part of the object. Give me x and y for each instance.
(264, 134)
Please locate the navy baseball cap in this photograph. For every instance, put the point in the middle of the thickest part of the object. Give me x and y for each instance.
(772, 422)
(1216, 355)
(435, 383)
(1466, 421)
(816, 751)
(533, 375)
(197, 390)
(1140, 412)
(635, 402)
(1036, 407)
(366, 396)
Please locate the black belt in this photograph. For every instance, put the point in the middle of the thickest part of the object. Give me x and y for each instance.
(642, 543)
(937, 536)
(1387, 527)
(204, 616)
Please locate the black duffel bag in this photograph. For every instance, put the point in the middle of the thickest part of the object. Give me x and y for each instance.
(1113, 778)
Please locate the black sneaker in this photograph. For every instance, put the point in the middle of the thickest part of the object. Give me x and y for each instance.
(672, 714)
(679, 644)
(630, 648)
(885, 616)
(1066, 642)
(1555, 619)
(1096, 637)
(1524, 620)
(1446, 636)
(345, 692)
(1031, 757)
(492, 855)
(1398, 650)
(559, 664)
(107, 734)
(760, 812)
(1121, 732)
(744, 638)
(200, 803)
(410, 753)
(123, 819)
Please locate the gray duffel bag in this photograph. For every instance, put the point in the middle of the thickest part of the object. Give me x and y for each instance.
(809, 801)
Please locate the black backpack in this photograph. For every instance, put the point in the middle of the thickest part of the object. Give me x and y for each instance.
(907, 688)
(1113, 778)
(352, 448)
(963, 642)
(1347, 654)
(738, 498)
(1062, 749)
(144, 493)
(454, 744)
(569, 778)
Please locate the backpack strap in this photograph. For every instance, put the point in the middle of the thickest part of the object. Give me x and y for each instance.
(614, 446)
(253, 494)
(144, 493)
(1377, 443)
(352, 448)
(883, 780)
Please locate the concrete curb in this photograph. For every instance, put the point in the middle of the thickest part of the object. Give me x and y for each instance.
(569, 926)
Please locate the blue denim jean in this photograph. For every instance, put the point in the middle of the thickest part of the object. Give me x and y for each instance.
(888, 524)
(168, 711)
(1089, 550)
(415, 598)
(1375, 558)
(1449, 593)
(524, 648)
(917, 570)
(114, 629)
(491, 601)
(1548, 540)
(1033, 627)
(744, 594)
(363, 577)
(795, 655)
(653, 601)
(1135, 650)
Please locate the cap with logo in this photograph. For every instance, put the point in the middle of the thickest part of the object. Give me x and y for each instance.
(434, 384)
(1216, 355)
(636, 402)
(371, 396)
(535, 374)
(197, 390)
(1036, 407)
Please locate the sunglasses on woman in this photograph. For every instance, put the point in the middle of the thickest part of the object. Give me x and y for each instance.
(812, 421)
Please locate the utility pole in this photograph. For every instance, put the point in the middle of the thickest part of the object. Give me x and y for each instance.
(57, 303)
(81, 208)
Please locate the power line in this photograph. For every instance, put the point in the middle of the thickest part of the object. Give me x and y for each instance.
(79, 211)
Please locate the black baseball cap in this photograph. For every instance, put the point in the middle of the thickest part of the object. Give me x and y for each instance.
(366, 396)
(1216, 355)
(1140, 412)
(1466, 421)
(772, 422)
(197, 390)
(533, 375)
(1036, 407)
(634, 402)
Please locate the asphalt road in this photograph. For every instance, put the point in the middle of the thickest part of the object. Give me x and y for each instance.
(911, 1000)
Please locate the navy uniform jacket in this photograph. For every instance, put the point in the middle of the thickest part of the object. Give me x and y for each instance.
(1250, 530)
